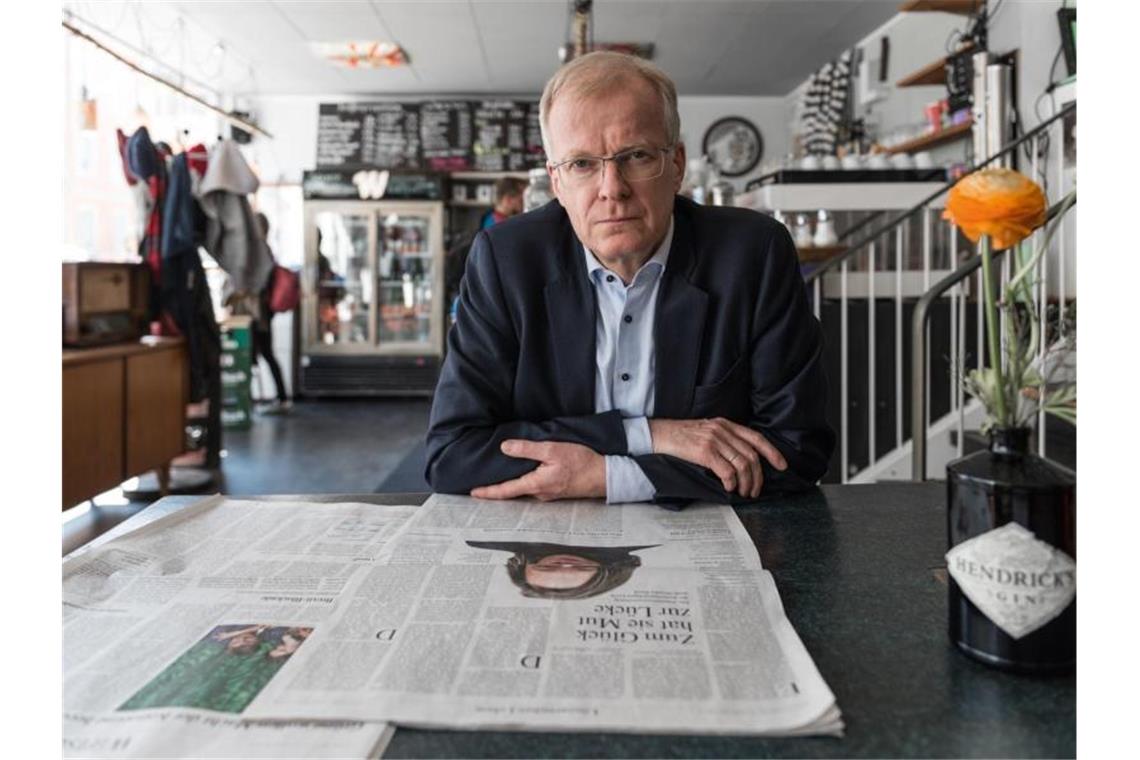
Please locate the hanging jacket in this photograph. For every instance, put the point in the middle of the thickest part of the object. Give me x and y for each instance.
(145, 162)
(183, 223)
(196, 158)
(140, 193)
(185, 294)
(121, 139)
(233, 237)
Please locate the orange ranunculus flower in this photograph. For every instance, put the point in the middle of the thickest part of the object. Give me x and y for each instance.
(1000, 203)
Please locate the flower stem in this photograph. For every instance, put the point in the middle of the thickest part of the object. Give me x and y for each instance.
(990, 296)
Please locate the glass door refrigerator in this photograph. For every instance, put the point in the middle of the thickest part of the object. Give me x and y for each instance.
(372, 297)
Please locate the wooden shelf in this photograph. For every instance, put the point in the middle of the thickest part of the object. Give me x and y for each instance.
(956, 132)
(814, 255)
(931, 74)
(961, 7)
(73, 356)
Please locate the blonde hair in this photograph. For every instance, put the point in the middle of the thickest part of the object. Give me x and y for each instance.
(600, 72)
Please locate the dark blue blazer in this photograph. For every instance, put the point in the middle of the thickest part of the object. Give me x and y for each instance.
(734, 338)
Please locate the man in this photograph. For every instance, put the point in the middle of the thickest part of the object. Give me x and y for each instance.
(263, 331)
(508, 201)
(624, 342)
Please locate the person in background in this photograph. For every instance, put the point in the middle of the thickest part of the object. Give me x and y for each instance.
(329, 294)
(508, 201)
(263, 334)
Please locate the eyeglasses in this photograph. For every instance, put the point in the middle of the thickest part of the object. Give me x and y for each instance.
(634, 165)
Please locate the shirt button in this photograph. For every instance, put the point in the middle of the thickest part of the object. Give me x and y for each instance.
(609, 278)
(625, 376)
(628, 319)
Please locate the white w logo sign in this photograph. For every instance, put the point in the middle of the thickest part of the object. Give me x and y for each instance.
(370, 184)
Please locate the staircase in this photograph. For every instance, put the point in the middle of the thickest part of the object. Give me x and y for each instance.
(917, 267)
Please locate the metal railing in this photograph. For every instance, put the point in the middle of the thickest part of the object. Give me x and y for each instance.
(906, 278)
(919, 337)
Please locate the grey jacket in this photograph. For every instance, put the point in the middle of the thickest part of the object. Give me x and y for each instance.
(233, 237)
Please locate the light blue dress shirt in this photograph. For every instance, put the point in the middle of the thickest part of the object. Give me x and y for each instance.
(625, 360)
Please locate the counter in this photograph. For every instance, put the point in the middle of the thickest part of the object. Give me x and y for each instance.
(861, 575)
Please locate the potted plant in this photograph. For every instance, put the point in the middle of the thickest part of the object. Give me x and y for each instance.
(1011, 517)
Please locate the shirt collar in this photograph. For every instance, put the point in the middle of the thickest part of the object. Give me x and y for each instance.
(657, 261)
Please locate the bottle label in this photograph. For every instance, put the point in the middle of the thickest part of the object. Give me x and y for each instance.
(1017, 581)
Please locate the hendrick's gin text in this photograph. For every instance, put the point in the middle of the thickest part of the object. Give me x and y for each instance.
(1011, 525)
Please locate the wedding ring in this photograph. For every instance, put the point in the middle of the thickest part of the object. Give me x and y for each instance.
(732, 459)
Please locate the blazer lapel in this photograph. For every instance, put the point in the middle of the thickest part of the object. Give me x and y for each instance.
(571, 312)
(681, 309)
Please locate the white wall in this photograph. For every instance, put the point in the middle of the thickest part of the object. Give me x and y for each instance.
(699, 113)
(292, 120)
(916, 39)
(1030, 26)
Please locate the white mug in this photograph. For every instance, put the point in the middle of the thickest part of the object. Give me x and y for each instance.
(878, 161)
(923, 160)
(830, 162)
(810, 163)
(852, 161)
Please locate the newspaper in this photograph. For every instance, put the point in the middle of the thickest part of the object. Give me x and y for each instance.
(575, 616)
(171, 630)
(186, 733)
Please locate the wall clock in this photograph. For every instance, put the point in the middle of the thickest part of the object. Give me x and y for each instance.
(733, 145)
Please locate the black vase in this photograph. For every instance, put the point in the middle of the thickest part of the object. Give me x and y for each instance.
(1014, 578)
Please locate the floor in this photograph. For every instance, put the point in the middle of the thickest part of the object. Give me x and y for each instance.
(326, 446)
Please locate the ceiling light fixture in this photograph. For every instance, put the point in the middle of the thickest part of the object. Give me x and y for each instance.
(361, 55)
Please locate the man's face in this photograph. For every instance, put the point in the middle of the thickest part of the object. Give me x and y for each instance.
(511, 205)
(616, 219)
(243, 643)
(560, 572)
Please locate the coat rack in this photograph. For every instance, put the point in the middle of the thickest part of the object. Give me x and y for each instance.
(232, 119)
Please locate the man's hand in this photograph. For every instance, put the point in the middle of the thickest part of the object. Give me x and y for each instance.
(566, 471)
(730, 450)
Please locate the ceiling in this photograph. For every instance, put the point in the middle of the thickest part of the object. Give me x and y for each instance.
(709, 47)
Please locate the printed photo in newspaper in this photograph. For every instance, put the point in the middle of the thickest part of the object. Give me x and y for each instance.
(172, 630)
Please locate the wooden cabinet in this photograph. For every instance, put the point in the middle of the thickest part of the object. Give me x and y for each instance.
(124, 412)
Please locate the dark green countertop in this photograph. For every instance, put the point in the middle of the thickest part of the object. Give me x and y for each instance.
(859, 570)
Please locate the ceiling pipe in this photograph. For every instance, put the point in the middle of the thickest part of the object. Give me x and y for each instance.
(248, 126)
(582, 27)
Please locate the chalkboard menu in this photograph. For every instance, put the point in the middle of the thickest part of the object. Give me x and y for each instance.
(445, 129)
(383, 135)
(441, 135)
(535, 155)
(500, 136)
